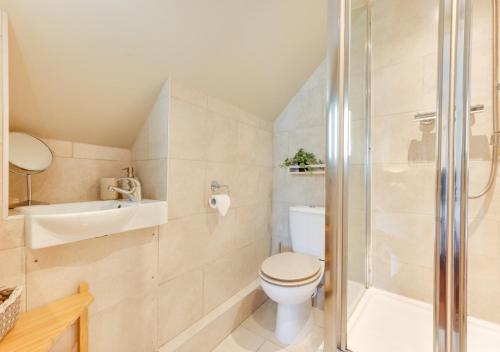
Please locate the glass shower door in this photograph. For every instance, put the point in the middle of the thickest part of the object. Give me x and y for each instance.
(483, 304)
(358, 216)
(395, 313)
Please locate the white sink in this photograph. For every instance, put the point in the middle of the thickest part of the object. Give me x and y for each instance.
(52, 225)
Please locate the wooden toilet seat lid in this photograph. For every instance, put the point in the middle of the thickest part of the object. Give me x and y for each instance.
(291, 267)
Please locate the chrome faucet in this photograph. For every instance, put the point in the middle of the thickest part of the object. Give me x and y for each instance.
(134, 194)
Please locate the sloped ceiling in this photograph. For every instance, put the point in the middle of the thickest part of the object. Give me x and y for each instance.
(89, 70)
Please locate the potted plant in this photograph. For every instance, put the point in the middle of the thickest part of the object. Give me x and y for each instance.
(302, 161)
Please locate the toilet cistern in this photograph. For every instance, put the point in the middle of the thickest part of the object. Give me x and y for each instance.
(134, 194)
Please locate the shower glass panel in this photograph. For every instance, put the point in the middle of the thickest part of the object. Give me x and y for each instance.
(357, 228)
(395, 313)
(483, 302)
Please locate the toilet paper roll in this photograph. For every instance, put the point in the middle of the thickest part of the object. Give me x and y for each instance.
(221, 202)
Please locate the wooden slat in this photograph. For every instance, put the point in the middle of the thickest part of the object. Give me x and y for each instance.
(83, 323)
(37, 330)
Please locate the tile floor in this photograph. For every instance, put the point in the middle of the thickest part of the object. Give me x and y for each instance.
(256, 334)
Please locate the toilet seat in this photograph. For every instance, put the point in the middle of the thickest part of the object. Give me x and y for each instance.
(290, 269)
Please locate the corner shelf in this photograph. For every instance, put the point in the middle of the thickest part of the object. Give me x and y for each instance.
(318, 169)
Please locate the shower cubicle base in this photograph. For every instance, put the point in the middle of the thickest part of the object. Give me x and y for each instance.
(383, 322)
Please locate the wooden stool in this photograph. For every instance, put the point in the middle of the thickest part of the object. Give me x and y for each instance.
(38, 329)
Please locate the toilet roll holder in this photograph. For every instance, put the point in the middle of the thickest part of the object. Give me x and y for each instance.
(217, 188)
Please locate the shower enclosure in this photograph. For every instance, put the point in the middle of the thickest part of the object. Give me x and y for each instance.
(412, 211)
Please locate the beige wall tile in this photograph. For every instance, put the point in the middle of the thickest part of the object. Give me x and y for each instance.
(192, 96)
(310, 139)
(226, 276)
(13, 270)
(158, 128)
(305, 190)
(128, 326)
(246, 186)
(306, 109)
(280, 177)
(188, 243)
(150, 150)
(280, 219)
(100, 152)
(483, 287)
(483, 239)
(221, 138)
(12, 233)
(116, 267)
(152, 140)
(247, 226)
(180, 304)
(12, 266)
(141, 150)
(403, 187)
(280, 147)
(188, 131)
(152, 174)
(404, 78)
(67, 180)
(214, 327)
(398, 139)
(404, 237)
(221, 107)
(63, 149)
(264, 147)
(265, 188)
(399, 277)
(247, 144)
(266, 125)
(186, 188)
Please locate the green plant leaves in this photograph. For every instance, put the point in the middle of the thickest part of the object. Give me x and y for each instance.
(302, 159)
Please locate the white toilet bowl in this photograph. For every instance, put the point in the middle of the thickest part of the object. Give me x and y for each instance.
(290, 279)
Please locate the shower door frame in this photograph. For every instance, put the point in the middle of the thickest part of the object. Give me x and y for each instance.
(336, 175)
(453, 123)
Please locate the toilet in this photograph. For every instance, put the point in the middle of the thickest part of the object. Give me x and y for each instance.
(291, 279)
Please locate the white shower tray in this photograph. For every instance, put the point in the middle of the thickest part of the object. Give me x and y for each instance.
(53, 225)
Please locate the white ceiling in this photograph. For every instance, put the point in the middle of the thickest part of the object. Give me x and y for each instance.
(89, 70)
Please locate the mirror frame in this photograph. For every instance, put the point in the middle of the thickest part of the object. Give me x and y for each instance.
(4, 75)
(25, 172)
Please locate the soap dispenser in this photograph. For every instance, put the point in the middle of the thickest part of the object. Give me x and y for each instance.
(130, 171)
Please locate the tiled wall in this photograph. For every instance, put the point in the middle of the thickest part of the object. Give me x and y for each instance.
(404, 83)
(151, 284)
(205, 258)
(149, 152)
(74, 174)
(300, 125)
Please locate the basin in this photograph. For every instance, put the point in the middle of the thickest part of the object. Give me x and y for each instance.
(56, 224)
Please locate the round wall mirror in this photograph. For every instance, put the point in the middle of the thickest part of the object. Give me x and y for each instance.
(28, 155)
